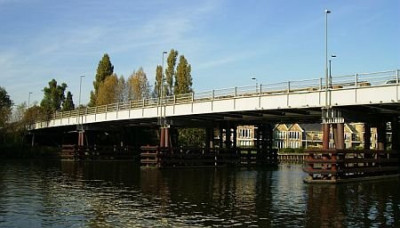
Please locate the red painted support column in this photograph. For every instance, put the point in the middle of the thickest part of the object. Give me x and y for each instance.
(340, 136)
(162, 137)
(81, 138)
(325, 136)
(167, 138)
(335, 135)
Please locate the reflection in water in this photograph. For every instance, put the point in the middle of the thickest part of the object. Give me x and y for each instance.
(120, 194)
(365, 204)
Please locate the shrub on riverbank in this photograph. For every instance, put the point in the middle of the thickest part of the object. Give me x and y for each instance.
(27, 152)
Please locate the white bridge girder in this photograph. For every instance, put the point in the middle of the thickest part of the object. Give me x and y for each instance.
(254, 102)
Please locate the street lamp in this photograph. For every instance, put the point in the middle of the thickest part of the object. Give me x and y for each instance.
(29, 98)
(255, 79)
(162, 88)
(330, 70)
(326, 58)
(79, 100)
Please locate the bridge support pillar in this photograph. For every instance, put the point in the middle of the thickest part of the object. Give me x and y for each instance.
(234, 136)
(263, 143)
(381, 131)
(339, 135)
(33, 140)
(221, 137)
(367, 136)
(81, 138)
(228, 140)
(209, 138)
(395, 134)
(326, 129)
(164, 137)
(332, 116)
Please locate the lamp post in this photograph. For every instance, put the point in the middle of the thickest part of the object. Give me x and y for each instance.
(255, 79)
(79, 100)
(326, 58)
(29, 98)
(330, 70)
(162, 89)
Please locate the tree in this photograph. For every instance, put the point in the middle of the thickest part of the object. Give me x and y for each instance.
(104, 70)
(33, 114)
(122, 90)
(53, 97)
(139, 86)
(5, 106)
(107, 92)
(68, 103)
(170, 71)
(18, 113)
(157, 83)
(191, 137)
(183, 80)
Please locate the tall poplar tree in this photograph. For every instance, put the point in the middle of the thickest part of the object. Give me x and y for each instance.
(139, 85)
(157, 83)
(68, 103)
(183, 77)
(104, 70)
(170, 71)
(108, 91)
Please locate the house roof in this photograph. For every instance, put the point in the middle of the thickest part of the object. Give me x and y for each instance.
(311, 127)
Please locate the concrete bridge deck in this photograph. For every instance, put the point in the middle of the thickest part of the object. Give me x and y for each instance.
(368, 93)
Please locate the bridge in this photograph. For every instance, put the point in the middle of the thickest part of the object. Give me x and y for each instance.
(372, 98)
(366, 93)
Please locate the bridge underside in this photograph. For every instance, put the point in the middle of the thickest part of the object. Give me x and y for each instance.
(371, 114)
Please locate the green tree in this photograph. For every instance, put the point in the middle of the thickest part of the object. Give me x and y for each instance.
(191, 137)
(170, 71)
(157, 83)
(104, 70)
(68, 103)
(107, 93)
(53, 97)
(5, 107)
(139, 85)
(183, 80)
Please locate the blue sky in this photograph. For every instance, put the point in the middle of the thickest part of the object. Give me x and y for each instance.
(226, 42)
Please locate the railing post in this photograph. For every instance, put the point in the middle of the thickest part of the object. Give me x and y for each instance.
(288, 87)
(192, 97)
(235, 91)
(356, 81)
(213, 94)
(320, 83)
(174, 99)
(397, 76)
(143, 102)
(261, 88)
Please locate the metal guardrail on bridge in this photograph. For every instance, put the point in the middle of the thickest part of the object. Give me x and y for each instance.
(376, 79)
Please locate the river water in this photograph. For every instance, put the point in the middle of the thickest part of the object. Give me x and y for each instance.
(120, 194)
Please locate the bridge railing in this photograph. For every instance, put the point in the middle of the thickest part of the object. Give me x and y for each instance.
(382, 78)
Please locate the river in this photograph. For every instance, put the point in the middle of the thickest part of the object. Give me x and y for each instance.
(120, 194)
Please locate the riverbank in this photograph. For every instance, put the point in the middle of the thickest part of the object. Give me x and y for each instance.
(28, 152)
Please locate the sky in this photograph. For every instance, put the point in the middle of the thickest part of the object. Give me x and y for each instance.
(226, 42)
